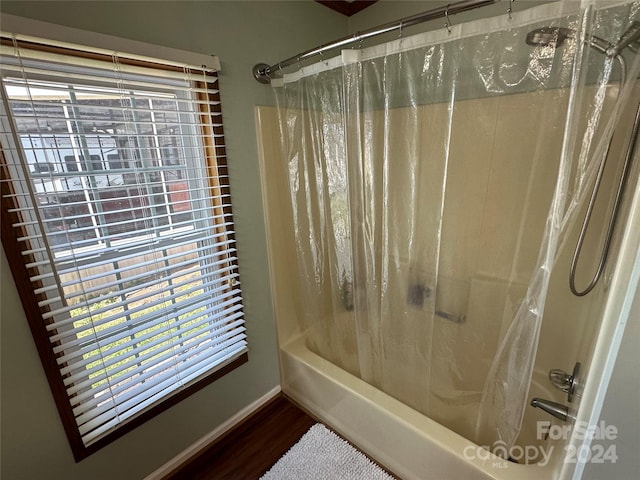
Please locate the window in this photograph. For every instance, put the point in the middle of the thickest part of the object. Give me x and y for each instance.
(118, 227)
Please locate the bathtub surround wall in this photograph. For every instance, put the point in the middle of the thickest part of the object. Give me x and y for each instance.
(488, 302)
(33, 441)
(495, 202)
(485, 294)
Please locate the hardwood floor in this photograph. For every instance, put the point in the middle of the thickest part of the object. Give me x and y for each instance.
(250, 449)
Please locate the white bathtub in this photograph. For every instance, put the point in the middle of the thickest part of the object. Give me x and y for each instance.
(403, 440)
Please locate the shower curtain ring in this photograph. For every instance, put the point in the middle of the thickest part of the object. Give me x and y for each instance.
(510, 9)
(400, 34)
(446, 15)
(322, 59)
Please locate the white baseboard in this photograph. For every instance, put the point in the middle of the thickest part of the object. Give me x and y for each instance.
(212, 436)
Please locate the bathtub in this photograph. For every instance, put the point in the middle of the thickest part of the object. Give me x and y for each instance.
(404, 441)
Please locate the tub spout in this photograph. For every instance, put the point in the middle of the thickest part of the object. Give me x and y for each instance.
(553, 408)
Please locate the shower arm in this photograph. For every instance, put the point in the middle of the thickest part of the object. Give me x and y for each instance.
(616, 204)
(263, 72)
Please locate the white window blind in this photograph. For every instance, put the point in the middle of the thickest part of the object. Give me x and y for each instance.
(118, 180)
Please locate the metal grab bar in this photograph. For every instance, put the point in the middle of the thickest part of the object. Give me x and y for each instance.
(615, 210)
(454, 317)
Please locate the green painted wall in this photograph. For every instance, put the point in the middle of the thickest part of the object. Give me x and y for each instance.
(241, 33)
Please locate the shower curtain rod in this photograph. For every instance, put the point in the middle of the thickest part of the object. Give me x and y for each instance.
(262, 72)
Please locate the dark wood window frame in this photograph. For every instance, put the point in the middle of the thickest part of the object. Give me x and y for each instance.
(215, 153)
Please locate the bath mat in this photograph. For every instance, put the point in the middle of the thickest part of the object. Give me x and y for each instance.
(321, 455)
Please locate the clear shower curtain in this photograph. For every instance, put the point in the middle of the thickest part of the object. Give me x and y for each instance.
(432, 180)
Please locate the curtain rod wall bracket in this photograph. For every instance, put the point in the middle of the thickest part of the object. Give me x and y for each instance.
(262, 71)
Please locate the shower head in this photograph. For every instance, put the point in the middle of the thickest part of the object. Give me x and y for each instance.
(555, 36)
(630, 38)
(545, 36)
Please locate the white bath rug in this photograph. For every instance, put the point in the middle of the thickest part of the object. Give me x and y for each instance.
(321, 455)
